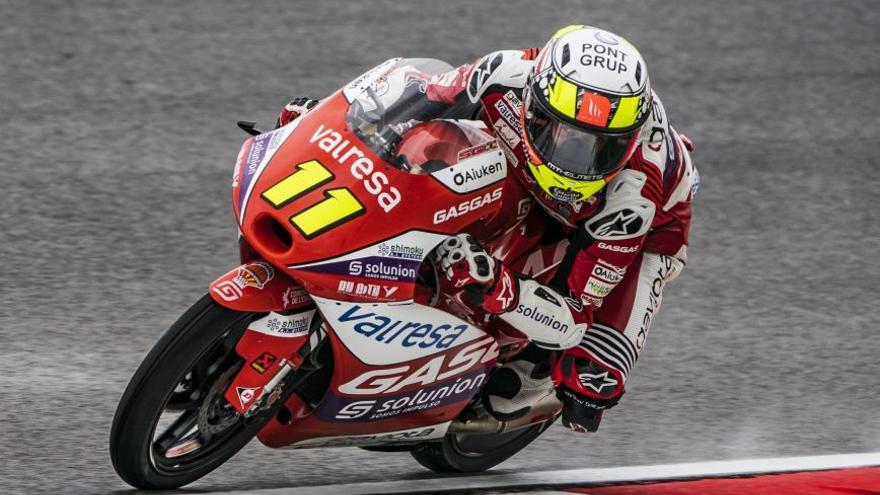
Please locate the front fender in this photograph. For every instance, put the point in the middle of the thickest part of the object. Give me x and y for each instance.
(258, 287)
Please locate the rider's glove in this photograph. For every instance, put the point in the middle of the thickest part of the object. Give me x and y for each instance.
(470, 269)
(296, 108)
(586, 388)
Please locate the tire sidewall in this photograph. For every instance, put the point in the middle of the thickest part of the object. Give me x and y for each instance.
(135, 420)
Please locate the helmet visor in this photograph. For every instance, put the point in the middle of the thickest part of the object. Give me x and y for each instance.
(576, 153)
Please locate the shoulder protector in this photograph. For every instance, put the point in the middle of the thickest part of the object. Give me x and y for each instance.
(626, 213)
(504, 68)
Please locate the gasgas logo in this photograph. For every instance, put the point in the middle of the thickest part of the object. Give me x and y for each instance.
(466, 207)
(390, 380)
(362, 167)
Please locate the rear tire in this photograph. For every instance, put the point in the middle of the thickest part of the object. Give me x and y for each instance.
(186, 372)
(475, 453)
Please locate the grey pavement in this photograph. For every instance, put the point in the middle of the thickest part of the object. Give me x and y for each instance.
(118, 139)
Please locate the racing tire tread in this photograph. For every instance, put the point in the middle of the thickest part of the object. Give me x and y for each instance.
(445, 457)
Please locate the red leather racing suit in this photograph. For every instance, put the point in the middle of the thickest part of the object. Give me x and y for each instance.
(627, 242)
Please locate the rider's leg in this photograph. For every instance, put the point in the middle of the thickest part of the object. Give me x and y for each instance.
(592, 374)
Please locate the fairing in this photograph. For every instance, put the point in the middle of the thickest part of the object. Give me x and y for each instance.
(344, 215)
(319, 192)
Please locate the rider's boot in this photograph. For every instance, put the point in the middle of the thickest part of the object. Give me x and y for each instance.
(519, 384)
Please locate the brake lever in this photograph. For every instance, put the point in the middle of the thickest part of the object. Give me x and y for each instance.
(249, 127)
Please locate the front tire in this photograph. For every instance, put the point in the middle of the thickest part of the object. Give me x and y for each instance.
(185, 374)
(473, 453)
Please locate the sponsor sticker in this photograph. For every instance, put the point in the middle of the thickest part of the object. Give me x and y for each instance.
(597, 288)
(438, 369)
(507, 134)
(365, 80)
(390, 333)
(376, 291)
(395, 250)
(263, 362)
(545, 319)
(253, 157)
(294, 296)
(589, 300)
(476, 150)
(508, 113)
(255, 275)
(246, 395)
(402, 332)
(338, 408)
(474, 172)
(396, 260)
(604, 271)
(616, 248)
(278, 325)
(465, 207)
(392, 437)
(513, 99)
(373, 267)
(361, 166)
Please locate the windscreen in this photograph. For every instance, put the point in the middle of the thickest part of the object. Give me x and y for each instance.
(393, 97)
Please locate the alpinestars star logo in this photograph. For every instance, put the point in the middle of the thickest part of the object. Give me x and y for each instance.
(597, 381)
(505, 297)
(625, 222)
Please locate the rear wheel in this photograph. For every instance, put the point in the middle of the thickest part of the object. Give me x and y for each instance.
(469, 453)
(173, 424)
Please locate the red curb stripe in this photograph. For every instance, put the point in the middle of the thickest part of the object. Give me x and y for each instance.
(863, 481)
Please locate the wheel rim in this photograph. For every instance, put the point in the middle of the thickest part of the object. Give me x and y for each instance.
(195, 419)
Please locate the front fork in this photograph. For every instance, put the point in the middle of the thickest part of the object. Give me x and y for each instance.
(273, 344)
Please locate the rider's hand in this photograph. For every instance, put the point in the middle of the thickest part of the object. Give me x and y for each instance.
(470, 269)
(296, 108)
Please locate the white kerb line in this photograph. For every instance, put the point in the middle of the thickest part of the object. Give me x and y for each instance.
(574, 477)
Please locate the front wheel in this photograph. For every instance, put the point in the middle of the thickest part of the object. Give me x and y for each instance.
(470, 453)
(173, 425)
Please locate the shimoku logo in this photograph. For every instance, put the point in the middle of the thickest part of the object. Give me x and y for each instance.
(388, 330)
(401, 251)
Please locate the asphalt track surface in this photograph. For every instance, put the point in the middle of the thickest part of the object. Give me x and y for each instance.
(117, 146)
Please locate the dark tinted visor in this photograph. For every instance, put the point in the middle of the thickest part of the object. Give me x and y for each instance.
(578, 153)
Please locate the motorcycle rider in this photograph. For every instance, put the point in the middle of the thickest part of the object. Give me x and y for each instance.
(587, 136)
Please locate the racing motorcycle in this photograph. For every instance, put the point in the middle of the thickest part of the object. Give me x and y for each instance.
(334, 331)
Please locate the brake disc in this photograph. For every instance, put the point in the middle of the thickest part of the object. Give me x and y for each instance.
(215, 413)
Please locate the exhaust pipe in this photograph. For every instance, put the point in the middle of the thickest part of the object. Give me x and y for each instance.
(545, 409)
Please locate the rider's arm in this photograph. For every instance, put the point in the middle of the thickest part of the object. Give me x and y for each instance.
(549, 317)
(636, 201)
(453, 94)
(498, 71)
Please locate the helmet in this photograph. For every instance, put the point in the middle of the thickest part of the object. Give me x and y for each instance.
(585, 102)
